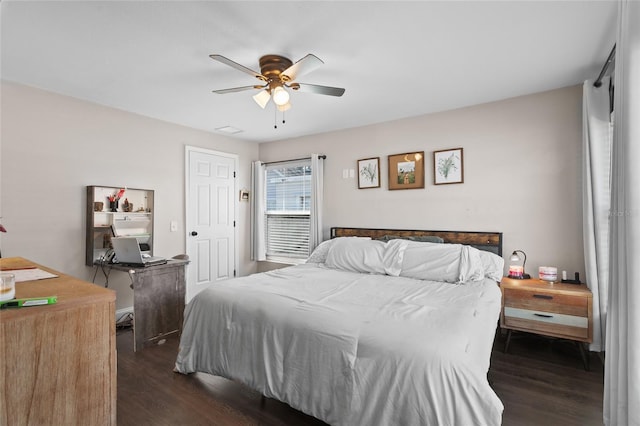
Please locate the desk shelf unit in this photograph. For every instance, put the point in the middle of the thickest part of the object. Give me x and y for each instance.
(102, 224)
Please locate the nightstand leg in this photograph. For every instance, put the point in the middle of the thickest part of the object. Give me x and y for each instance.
(506, 343)
(584, 354)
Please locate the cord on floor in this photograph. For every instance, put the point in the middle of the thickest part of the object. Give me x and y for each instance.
(125, 322)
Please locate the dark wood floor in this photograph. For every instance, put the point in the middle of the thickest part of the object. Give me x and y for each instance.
(540, 382)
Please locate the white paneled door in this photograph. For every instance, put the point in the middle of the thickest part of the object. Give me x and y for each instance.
(210, 218)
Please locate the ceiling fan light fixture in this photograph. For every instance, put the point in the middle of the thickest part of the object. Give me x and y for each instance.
(284, 107)
(280, 96)
(262, 98)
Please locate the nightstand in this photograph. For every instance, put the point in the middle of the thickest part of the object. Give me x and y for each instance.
(550, 309)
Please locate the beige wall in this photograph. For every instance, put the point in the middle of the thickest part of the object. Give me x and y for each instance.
(521, 156)
(521, 175)
(52, 146)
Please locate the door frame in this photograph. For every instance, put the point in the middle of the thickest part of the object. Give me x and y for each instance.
(188, 149)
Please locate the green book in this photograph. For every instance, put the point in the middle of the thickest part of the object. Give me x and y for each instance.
(31, 301)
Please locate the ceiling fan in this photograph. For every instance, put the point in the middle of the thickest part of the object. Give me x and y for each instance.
(277, 74)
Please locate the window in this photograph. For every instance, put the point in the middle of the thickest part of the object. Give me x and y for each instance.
(288, 197)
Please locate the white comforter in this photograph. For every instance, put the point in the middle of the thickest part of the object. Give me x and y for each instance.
(349, 348)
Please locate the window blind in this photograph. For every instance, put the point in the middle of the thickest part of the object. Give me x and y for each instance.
(288, 197)
(288, 236)
(288, 188)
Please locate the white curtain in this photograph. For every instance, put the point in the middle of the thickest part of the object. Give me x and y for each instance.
(596, 170)
(622, 361)
(317, 189)
(258, 236)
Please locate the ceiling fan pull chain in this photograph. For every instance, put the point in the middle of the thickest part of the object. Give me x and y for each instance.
(283, 117)
(275, 118)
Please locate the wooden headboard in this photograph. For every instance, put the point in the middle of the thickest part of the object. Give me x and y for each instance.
(488, 241)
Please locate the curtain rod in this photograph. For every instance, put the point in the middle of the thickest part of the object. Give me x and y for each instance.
(606, 66)
(295, 159)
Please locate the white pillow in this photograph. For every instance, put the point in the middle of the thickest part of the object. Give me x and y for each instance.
(366, 256)
(471, 268)
(432, 261)
(492, 264)
(319, 254)
(394, 256)
(452, 263)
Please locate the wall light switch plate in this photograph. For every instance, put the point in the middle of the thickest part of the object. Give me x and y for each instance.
(174, 226)
(352, 173)
(345, 173)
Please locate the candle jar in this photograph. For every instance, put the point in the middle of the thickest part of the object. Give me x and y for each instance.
(516, 271)
(548, 273)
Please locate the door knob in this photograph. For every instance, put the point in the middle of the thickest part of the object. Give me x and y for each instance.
(194, 233)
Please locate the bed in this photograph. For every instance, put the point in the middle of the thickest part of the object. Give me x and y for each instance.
(379, 327)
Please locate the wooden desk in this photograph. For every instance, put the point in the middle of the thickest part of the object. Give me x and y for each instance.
(158, 301)
(58, 362)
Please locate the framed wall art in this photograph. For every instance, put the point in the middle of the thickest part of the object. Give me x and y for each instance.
(448, 166)
(369, 173)
(406, 171)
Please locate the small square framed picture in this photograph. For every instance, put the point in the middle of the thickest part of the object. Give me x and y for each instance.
(448, 166)
(406, 171)
(369, 173)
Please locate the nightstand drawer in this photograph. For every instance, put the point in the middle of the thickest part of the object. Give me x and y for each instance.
(547, 302)
(561, 319)
(569, 326)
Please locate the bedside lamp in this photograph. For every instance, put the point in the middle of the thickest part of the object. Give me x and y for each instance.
(517, 271)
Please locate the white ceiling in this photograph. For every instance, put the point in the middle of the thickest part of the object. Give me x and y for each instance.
(395, 59)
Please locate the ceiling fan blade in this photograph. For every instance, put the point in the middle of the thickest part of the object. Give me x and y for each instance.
(314, 88)
(303, 66)
(262, 98)
(236, 89)
(237, 66)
